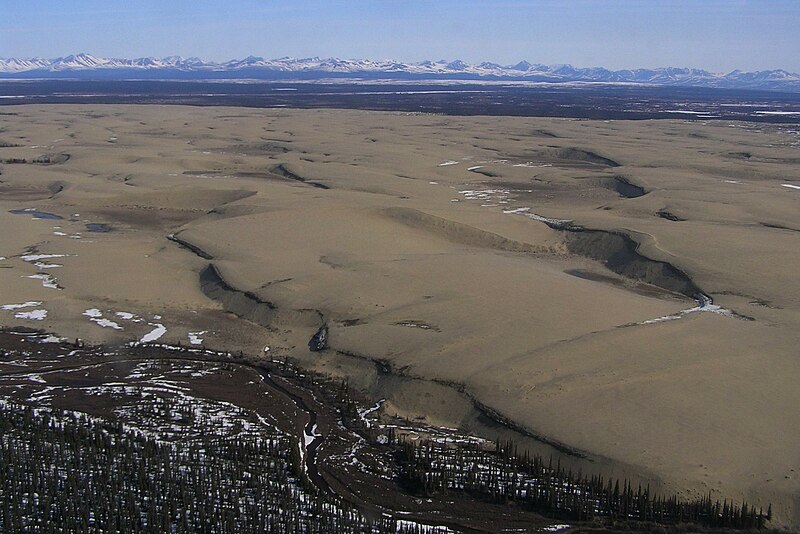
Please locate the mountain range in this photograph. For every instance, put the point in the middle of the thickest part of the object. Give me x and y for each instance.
(86, 66)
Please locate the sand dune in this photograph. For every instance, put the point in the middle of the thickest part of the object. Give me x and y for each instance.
(286, 220)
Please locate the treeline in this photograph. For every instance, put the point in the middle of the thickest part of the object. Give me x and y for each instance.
(503, 475)
(62, 472)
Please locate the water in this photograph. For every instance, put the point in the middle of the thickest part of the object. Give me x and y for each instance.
(98, 227)
(36, 214)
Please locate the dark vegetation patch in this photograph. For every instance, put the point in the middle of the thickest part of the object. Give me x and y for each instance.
(619, 253)
(625, 188)
(44, 159)
(101, 228)
(191, 247)
(579, 155)
(779, 227)
(622, 186)
(456, 232)
(248, 305)
(543, 133)
(260, 149)
(664, 214)
(565, 157)
(529, 481)
(484, 172)
(244, 304)
(282, 171)
(27, 192)
(641, 288)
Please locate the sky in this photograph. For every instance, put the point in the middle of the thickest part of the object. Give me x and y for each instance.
(717, 35)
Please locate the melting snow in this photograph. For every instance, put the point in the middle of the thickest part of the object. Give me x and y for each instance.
(515, 211)
(706, 304)
(309, 437)
(154, 334)
(449, 162)
(555, 528)
(47, 280)
(29, 304)
(43, 265)
(96, 316)
(128, 316)
(421, 527)
(35, 315)
(37, 257)
(195, 339)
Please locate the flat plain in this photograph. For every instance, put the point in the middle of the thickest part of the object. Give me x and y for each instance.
(554, 274)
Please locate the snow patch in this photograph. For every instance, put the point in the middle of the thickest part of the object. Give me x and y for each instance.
(195, 339)
(555, 528)
(29, 304)
(96, 316)
(154, 334)
(38, 257)
(35, 315)
(47, 280)
(43, 265)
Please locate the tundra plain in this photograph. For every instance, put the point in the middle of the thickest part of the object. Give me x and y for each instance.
(554, 274)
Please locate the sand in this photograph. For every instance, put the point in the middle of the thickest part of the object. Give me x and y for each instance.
(419, 240)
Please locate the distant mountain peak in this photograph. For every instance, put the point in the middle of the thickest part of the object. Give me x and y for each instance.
(85, 65)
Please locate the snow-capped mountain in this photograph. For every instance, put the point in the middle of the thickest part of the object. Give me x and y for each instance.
(86, 66)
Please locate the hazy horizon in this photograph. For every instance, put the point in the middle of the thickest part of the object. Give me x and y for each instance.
(718, 36)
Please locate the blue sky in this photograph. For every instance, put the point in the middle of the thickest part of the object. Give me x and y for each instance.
(719, 35)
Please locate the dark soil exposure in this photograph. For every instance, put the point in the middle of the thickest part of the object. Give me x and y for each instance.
(245, 304)
(779, 227)
(620, 254)
(282, 171)
(565, 157)
(641, 288)
(484, 172)
(583, 156)
(664, 214)
(189, 246)
(543, 133)
(347, 460)
(98, 228)
(51, 159)
(459, 233)
(626, 189)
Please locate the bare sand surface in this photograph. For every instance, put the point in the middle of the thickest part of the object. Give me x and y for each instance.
(435, 248)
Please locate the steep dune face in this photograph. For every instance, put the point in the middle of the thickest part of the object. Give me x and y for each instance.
(553, 291)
